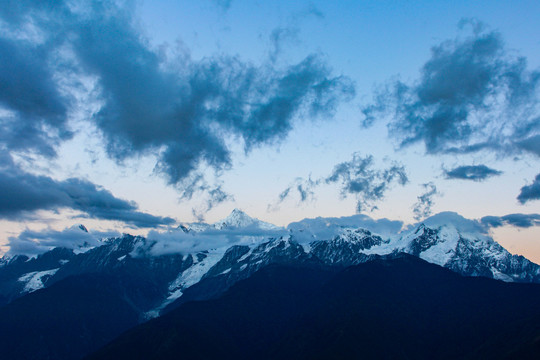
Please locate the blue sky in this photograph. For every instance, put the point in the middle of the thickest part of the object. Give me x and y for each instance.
(130, 116)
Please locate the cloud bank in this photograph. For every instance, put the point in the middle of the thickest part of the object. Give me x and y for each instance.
(32, 243)
(24, 193)
(517, 220)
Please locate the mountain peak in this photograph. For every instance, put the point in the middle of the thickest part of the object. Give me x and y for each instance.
(239, 219)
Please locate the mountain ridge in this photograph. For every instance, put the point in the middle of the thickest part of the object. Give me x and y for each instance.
(240, 245)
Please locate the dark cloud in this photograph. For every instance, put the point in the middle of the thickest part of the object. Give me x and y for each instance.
(31, 242)
(357, 177)
(174, 107)
(472, 95)
(422, 208)
(24, 193)
(530, 192)
(34, 115)
(518, 220)
(471, 172)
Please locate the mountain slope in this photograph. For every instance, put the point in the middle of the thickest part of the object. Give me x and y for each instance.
(399, 307)
(65, 321)
(162, 275)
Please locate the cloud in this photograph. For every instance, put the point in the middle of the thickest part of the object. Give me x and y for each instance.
(177, 108)
(471, 172)
(530, 192)
(303, 187)
(472, 95)
(446, 218)
(422, 208)
(34, 110)
(178, 241)
(357, 177)
(280, 35)
(326, 228)
(24, 193)
(30, 242)
(517, 220)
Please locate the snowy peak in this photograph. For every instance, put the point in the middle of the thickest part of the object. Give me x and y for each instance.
(239, 219)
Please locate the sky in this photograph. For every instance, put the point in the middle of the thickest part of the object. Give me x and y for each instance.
(136, 116)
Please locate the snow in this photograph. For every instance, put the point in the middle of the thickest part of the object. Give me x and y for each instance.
(188, 277)
(194, 274)
(239, 219)
(34, 280)
(245, 256)
(121, 257)
(445, 248)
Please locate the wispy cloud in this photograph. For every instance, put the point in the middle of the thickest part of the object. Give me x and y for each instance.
(423, 207)
(471, 172)
(358, 177)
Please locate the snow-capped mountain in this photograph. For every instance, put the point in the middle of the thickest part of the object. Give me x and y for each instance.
(157, 274)
(237, 219)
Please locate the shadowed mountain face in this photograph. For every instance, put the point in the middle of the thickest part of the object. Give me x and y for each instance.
(399, 307)
(67, 320)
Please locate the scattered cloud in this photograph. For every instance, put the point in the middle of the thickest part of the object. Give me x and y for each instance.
(530, 192)
(472, 95)
(357, 177)
(471, 172)
(517, 220)
(423, 207)
(24, 193)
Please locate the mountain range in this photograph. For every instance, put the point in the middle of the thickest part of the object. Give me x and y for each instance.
(154, 276)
